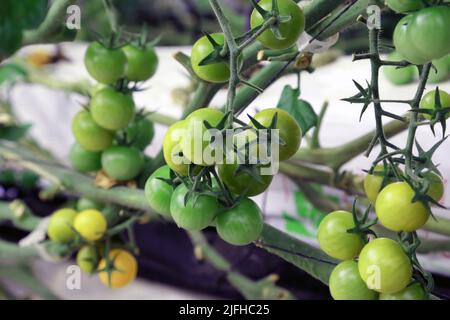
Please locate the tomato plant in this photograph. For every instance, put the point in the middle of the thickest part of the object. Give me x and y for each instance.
(159, 192)
(289, 31)
(384, 266)
(213, 72)
(105, 65)
(120, 270)
(84, 160)
(346, 283)
(241, 224)
(194, 214)
(60, 226)
(397, 211)
(414, 291)
(122, 163)
(142, 62)
(112, 109)
(89, 134)
(90, 224)
(334, 237)
(289, 130)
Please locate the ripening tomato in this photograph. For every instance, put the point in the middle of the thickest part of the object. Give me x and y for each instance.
(384, 266)
(88, 258)
(346, 283)
(397, 212)
(414, 291)
(123, 269)
(60, 225)
(334, 238)
(84, 160)
(90, 224)
(112, 109)
(142, 62)
(192, 216)
(89, 134)
(159, 192)
(173, 154)
(240, 225)
(429, 102)
(289, 30)
(105, 65)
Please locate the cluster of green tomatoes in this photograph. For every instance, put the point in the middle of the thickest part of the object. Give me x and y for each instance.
(85, 227)
(198, 194)
(110, 134)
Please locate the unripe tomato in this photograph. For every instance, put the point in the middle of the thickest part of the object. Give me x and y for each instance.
(142, 62)
(192, 216)
(242, 224)
(346, 283)
(334, 239)
(90, 224)
(195, 144)
(429, 99)
(84, 160)
(112, 109)
(122, 163)
(289, 130)
(60, 225)
(215, 72)
(440, 71)
(397, 212)
(374, 181)
(140, 133)
(436, 188)
(399, 76)
(402, 6)
(159, 192)
(414, 291)
(290, 30)
(89, 134)
(384, 266)
(403, 44)
(86, 203)
(124, 269)
(173, 154)
(105, 65)
(88, 258)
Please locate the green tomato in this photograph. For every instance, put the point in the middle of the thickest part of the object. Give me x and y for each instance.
(436, 188)
(243, 183)
(414, 291)
(192, 216)
(217, 72)
(159, 192)
(240, 225)
(289, 130)
(334, 239)
(399, 76)
(384, 266)
(142, 62)
(374, 181)
(173, 154)
(90, 224)
(60, 226)
(112, 109)
(122, 163)
(84, 160)
(402, 6)
(440, 72)
(403, 44)
(290, 30)
(346, 283)
(89, 134)
(88, 258)
(195, 143)
(140, 133)
(397, 212)
(429, 102)
(105, 65)
(86, 203)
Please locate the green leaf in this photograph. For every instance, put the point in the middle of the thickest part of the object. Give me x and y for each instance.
(10, 72)
(300, 109)
(14, 133)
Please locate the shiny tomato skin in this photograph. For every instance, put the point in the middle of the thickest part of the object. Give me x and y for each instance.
(159, 192)
(142, 62)
(90, 224)
(60, 225)
(105, 65)
(414, 291)
(124, 270)
(89, 134)
(172, 148)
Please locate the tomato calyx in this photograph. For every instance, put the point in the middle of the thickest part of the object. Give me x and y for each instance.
(272, 17)
(219, 54)
(363, 224)
(271, 126)
(438, 115)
